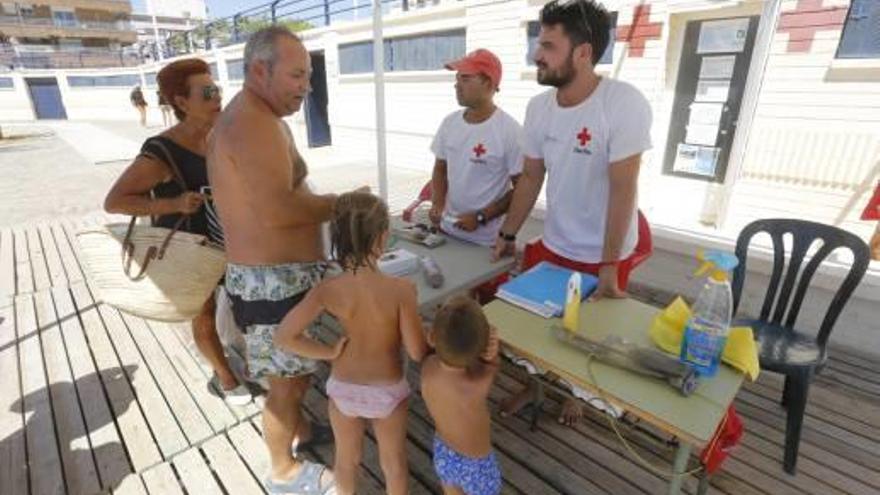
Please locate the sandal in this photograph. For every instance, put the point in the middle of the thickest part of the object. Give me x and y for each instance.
(306, 482)
(238, 396)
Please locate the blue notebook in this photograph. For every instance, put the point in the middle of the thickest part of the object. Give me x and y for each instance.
(541, 289)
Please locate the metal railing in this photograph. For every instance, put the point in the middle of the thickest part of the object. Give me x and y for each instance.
(118, 25)
(298, 15)
(67, 59)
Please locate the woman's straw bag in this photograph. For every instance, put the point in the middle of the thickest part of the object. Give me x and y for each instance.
(152, 272)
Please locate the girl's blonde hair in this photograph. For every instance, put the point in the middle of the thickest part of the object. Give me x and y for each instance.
(359, 220)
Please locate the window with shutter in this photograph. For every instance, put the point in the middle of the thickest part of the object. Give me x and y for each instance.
(861, 33)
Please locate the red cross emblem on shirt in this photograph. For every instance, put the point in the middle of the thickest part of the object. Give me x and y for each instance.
(584, 136)
(479, 150)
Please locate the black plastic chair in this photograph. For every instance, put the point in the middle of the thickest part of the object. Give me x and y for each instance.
(781, 348)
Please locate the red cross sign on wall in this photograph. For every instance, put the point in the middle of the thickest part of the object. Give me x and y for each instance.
(640, 31)
(808, 18)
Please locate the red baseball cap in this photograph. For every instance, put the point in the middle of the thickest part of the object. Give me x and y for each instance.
(479, 61)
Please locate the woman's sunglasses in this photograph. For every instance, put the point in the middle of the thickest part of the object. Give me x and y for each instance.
(210, 92)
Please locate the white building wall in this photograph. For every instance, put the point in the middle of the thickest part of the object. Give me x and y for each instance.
(15, 104)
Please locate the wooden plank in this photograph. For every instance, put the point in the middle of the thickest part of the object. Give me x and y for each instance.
(870, 389)
(183, 333)
(57, 277)
(808, 469)
(593, 434)
(251, 448)
(44, 460)
(7, 263)
(856, 357)
(225, 462)
(133, 428)
(131, 485)
(161, 480)
(24, 279)
(816, 452)
(831, 397)
(80, 472)
(194, 473)
(214, 408)
(864, 425)
(166, 432)
(109, 452)
(815, 427)
(38, 260)
(569, 448)
(186, 411)
(826, 443)
(72, 270)
(13, 459)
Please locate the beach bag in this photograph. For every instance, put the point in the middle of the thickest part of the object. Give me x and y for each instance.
(152, 272)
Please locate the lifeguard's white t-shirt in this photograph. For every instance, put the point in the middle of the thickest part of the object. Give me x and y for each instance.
(480, 159)
(578, 145)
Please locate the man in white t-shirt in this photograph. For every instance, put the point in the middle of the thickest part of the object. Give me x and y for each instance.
(587, 134)
(478, 155)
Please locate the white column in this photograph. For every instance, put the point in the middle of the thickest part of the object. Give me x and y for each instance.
(379, 78)
(757, 69)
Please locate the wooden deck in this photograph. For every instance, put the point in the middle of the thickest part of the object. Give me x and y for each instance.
(92, 400)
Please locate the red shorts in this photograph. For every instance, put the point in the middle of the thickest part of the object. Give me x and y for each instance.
(537, 252)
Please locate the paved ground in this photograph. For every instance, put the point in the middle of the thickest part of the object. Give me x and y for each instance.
(64, 169)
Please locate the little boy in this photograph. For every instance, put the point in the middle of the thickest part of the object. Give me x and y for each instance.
(455, 385)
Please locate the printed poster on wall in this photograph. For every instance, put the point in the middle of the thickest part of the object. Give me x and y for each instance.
(699, 160)
(718, 67)
(725, 36)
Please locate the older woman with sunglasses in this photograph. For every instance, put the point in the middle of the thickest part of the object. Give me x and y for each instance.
(166, 181)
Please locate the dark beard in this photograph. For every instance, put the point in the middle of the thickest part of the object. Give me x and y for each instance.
(559, 78)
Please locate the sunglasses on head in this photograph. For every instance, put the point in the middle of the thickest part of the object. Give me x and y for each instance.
(581, 16)
(210, 92)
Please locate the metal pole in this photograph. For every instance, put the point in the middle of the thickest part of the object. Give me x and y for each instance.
(273, 8)
(379, 78)
(156, 37)
(326, 13)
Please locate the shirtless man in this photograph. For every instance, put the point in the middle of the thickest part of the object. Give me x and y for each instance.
(272, 225)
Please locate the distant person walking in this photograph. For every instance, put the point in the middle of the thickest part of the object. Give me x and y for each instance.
(137, 99)
(167, 115)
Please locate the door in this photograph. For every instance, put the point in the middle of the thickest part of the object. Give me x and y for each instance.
(46, 98)
(711, 80)
(317, 121)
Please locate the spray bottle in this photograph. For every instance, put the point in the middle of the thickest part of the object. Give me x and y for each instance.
(706, 332)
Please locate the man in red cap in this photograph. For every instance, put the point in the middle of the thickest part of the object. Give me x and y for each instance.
(478, 155)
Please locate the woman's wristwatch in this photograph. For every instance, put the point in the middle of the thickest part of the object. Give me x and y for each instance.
(481, 218)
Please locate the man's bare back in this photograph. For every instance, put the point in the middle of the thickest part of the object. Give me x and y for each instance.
(268, 213)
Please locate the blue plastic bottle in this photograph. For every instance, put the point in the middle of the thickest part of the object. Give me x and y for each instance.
(706, 333)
